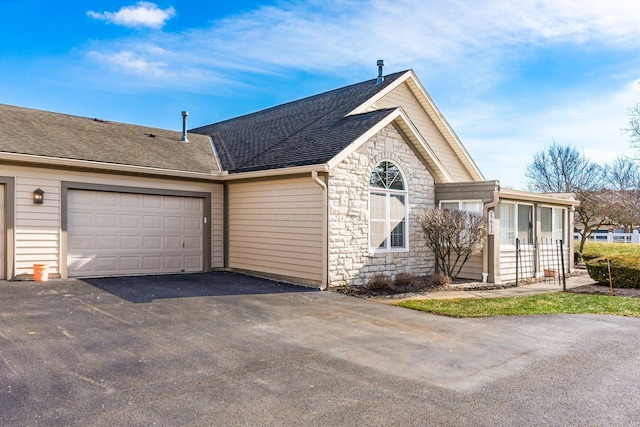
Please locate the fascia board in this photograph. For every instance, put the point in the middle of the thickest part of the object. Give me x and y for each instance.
(518, 195)
(397, 114)
(452, 136)
(369, 102)
(323, 167)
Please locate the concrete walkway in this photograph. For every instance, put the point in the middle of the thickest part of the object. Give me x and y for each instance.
(523, 290)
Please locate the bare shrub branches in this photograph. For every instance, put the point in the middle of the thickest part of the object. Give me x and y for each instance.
(453, 236)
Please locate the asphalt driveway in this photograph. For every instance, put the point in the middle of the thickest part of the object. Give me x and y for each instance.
(223, 349)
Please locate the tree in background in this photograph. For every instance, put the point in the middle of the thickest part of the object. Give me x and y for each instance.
(633, 127)
(562, 169)
(453, 236)
(608, 195)
(622, 178)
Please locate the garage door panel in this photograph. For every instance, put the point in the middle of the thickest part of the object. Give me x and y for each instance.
(172, 222)
(130, 263)
(130, 221)
(172, 203)
(192, 243)
(130, 200)
(152, 242)
(172, 262)
(172, 242)
(115, 234)
(104, 199)
(152, 222)
(152, 202)
(78, 219)
(106, 220)
(106, 242)
(106, 264)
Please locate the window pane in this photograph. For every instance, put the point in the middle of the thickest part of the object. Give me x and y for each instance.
(397, 221)
(507, 224)
(558, 224)
(525, 224)
(386, 175)
(452, 206)
(397, 235)
(378, 235)
(472, 206)
(546, 225)
(377, 203)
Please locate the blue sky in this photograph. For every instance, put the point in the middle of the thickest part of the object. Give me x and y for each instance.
(510, 76)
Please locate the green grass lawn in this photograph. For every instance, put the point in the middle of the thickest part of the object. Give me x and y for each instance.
(552, 303)
(592, 249)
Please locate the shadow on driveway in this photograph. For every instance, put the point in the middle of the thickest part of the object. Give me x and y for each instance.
(144, 289)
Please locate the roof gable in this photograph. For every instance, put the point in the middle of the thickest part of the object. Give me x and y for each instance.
(446, 145)
(44, 134)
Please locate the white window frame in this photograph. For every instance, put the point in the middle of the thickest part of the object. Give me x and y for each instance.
(565, 225)
(461, 203)
(533, 222)
(388, 193)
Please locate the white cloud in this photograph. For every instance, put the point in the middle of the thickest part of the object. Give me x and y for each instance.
(143, 14)
(130, 62)
(470, 48)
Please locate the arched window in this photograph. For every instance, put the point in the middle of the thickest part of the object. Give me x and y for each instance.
(387, 208)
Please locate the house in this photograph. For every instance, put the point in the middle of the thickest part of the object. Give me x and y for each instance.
(323, 191)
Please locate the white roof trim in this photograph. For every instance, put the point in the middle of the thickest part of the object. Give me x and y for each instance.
(397, 115)
(519, 195)
(103, 166)
(449, 135)
(323, 167)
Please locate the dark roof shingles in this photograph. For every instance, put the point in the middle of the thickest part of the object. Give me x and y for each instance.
(43, 133)
(309, 131)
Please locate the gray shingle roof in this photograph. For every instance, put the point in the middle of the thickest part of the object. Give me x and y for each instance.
(305, 132)
(43, 133)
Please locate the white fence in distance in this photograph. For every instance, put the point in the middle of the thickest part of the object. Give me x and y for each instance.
(612, 237)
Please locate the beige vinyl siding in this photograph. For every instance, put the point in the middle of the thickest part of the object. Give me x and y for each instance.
(472, 269)
(275, 227)
(38, 227)
(217, 227)
(508, 265)
(402, 96)
(2, 233)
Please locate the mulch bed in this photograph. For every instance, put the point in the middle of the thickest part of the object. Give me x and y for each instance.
(605, 290)
(422, 285)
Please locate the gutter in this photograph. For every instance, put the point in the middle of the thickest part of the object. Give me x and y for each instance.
(104, 166)
(325, 227)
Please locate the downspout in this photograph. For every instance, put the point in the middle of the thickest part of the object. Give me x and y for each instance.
(325, 234)
(485, 251)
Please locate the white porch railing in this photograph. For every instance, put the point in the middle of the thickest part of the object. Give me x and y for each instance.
(612, 237)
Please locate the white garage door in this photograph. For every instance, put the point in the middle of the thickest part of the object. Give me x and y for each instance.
(111, 234)
(2, 232)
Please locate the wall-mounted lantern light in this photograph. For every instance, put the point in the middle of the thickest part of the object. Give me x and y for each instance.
(38, 197)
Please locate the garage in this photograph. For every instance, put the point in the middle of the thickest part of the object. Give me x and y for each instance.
(112, 233)
(2, 233)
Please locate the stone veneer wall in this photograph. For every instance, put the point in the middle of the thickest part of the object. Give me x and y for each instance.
(350, 260)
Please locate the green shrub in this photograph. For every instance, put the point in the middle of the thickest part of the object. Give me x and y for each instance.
(625, 271)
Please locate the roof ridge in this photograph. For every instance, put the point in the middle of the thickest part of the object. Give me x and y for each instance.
(392, 76)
